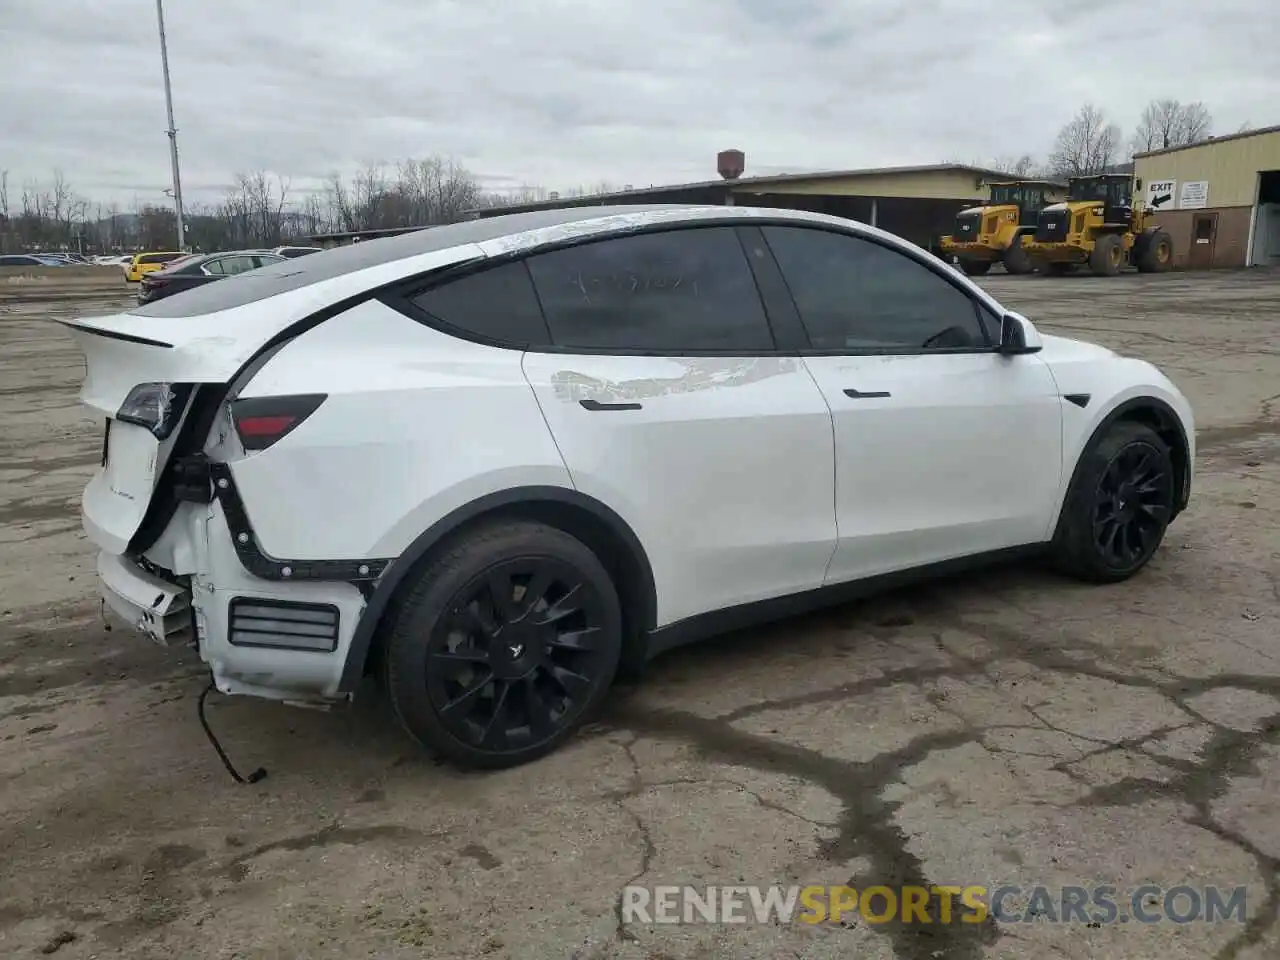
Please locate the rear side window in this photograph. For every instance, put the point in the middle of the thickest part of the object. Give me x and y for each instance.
(242, 264)
(497, 304)
(859, 296)
(676, 291)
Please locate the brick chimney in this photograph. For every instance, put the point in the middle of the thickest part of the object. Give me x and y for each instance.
(730, 164)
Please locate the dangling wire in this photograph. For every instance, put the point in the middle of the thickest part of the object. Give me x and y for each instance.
(253, 777)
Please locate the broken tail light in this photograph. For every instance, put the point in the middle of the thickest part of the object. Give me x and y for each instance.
(262, 421)
(156, 406)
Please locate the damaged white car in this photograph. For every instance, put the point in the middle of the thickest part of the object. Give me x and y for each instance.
(501, 460)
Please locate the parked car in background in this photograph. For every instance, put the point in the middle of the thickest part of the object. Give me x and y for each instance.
(499, 458)
(199, 269)
(291, 253)
(144, 263)
(29, 260)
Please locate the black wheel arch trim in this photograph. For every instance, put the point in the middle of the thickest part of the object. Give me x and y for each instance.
(394, 576)
(1123, 411)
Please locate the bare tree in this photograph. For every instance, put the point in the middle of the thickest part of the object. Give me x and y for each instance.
(156, 227)
(355, 203)
(257, 209)
(1086, 145)
(525, 194)
(1022, 167)
(1171, 123)
(602, 187)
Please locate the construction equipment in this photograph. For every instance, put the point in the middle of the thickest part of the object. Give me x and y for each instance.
(993, 233)
(1099, 226)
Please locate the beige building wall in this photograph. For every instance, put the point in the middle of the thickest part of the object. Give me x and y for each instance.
(1230, 165)
(926, 185)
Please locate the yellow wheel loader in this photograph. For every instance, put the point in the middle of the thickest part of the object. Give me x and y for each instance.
(1099, 227)
(994, 232)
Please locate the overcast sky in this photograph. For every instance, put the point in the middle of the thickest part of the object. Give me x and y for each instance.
(573, 92)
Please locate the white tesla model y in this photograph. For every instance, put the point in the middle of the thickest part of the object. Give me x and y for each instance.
(501, 460)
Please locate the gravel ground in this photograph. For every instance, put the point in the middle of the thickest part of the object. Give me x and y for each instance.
(1003, 727)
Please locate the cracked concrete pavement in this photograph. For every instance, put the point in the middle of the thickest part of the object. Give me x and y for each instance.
(1003, 727)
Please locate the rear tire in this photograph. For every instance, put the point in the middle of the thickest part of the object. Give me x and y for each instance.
(1108, 255)
(1157, 252)
(975, 268)
(1016, 260)
(504, 645)
(1118, 508)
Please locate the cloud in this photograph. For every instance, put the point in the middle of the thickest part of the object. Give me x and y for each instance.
(572, 92)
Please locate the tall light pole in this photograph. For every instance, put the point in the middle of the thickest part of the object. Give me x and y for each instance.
(173, 133)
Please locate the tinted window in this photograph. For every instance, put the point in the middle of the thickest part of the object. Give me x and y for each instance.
(855, 295)
(19, 262)
(234, 265)
(214, 267)
(676, 291)
(497, 304)
(304, 271)
(159, 257)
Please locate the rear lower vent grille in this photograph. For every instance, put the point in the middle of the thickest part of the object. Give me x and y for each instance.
(283, 625)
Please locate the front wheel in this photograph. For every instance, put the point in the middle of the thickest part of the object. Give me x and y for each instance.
(1108, 256)
(1016, 260)
(1157, 252)
(1119, 505)
(975, 268)
(504, 645)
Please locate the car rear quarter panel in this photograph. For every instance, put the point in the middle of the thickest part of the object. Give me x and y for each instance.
(416, 424)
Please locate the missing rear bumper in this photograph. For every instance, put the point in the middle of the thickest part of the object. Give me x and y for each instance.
(157, 608)
(362, 573)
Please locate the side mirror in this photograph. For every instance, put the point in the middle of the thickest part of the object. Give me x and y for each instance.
(1018, 336)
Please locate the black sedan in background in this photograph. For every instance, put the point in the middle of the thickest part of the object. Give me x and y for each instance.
(199, 269)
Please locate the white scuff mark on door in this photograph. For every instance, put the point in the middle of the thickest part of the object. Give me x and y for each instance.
(693, 375)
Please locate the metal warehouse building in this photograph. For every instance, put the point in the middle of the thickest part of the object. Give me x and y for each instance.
(1219, 200)
(919, 202)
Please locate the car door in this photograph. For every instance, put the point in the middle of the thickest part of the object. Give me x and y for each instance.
(671, 403)
(944, 447)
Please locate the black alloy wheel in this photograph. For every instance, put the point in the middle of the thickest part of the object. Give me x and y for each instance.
(506, 645)
(514, 656)
(1133, 504)
(1120, 503)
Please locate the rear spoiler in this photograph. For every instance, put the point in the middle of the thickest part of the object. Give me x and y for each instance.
(112, 333)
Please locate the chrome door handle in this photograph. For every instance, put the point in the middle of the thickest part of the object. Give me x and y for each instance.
(869, 395)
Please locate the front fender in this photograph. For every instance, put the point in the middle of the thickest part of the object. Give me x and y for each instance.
(1120, 388)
